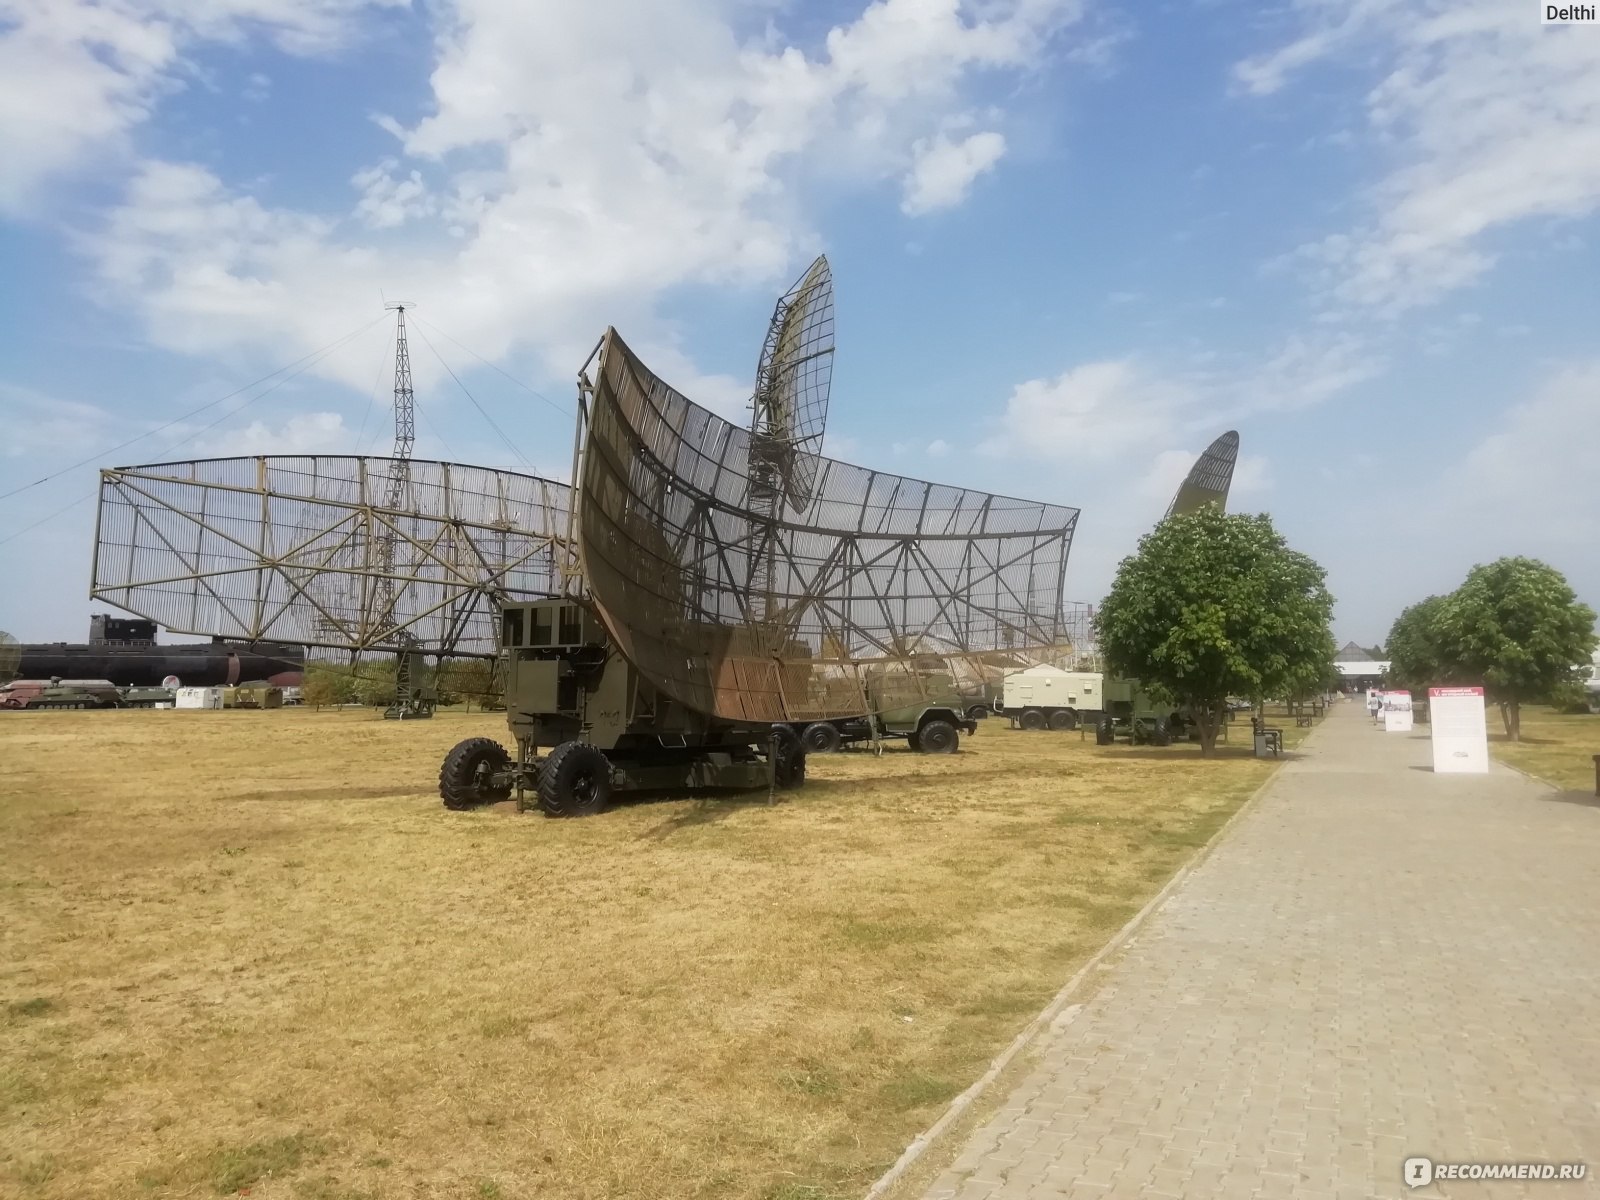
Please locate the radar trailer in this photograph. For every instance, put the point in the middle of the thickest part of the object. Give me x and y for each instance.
(603, 727)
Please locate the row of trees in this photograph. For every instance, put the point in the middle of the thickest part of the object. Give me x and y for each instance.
(1213, 606)
(1514, 627)
(469, 681)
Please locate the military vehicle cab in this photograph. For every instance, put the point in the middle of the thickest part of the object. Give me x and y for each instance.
(587, 724)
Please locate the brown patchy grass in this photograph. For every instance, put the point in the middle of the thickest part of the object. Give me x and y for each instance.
(1557, 747)
(250, 952)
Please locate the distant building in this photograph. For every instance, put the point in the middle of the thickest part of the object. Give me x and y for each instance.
(1357, 668)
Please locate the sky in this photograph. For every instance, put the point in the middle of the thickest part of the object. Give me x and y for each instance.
(1072, 241)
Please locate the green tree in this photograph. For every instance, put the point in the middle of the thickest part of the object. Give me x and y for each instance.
(1216, 605)
(374, 680)
(1418, 654)
(1517, 625)
(325, 684)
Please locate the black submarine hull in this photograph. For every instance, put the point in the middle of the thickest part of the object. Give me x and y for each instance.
(205, 664)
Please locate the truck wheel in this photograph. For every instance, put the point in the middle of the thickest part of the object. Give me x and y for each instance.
(464, 777)
(820, 737)
(1032, 718)
(1105, 733)
(938, 737)
(789, 771)
(977, 713)
(1064, 720)
(574, 781)
(1160, 734)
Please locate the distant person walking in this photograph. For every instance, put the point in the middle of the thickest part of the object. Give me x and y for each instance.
(1374, 705)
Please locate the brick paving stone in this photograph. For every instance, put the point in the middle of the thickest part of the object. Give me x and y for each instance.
(1376, 962)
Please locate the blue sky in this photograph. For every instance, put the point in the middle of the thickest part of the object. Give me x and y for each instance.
(1072, 241)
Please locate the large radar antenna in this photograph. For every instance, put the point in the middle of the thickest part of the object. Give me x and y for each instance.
(790, 415)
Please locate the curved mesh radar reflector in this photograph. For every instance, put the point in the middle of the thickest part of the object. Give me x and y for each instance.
(1209, 478)
(793, 379)
(872, 601)
(291, 549)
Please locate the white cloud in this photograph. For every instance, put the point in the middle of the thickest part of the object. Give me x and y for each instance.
(304, 433)
(1490, 119)
(76, 76)
(944, 171)
(543, 198)
(47, 428)
(387, 202)
(1095, 410)
(938, 448)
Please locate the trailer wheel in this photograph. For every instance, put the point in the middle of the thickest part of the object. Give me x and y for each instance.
(574, 781)
(1160, 734)
(1033, 718)
(464, 776)
(938, 737)
(820, 737)
(1064, 720)
(789, 770)
(1105, 733)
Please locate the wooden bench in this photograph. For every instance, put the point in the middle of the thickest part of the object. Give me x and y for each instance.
(1273, 734)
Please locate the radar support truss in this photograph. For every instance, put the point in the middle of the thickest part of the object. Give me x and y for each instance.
(877, 595)
(292, 549)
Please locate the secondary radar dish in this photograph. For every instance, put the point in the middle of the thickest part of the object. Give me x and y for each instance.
(1208, 480)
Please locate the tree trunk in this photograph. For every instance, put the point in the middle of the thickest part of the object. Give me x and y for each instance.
(1205, 719)
(1514, 709)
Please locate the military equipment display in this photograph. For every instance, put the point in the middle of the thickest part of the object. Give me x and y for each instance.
(728, 585)
(1046, 697)
(37, 695)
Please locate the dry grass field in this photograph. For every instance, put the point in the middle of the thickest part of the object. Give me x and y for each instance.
(250, 953)
(1557, 747)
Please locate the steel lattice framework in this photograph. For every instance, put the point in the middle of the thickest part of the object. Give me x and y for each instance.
(1210, 477)
(884, 578)
(293, 549)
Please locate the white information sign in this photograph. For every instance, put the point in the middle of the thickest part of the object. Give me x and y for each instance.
(1396, 712)
(1460, 732)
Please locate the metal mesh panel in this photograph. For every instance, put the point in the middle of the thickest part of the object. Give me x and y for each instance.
(1208, 480)
(289, 549)
(887, 583)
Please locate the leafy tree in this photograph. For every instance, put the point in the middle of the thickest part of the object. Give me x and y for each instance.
(1216, 605)
(471, 680)
(1418, 655)
(1517, 625)
(375, 682)
(325, 684)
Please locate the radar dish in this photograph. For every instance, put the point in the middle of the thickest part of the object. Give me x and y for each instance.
(793, 378)
(1208, 480)
(291, 549)
(886, 574)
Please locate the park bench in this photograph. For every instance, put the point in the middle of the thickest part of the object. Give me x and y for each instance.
(1272, 734)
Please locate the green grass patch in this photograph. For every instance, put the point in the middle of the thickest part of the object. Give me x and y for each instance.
(236, 1167)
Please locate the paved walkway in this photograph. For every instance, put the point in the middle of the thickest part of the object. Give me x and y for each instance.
(1377, 962)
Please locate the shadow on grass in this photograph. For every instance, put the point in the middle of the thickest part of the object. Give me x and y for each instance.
(1192, 754)
(1524, 740)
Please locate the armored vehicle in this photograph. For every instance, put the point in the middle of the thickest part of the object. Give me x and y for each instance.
(36, 694)
(604, 727)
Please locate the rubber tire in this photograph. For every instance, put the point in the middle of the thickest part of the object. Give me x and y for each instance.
(820, 737)
(458, 775)
(574, 781)
(977, 713)
(1105, 733)
(1160, 734)
(938, 737)
(789, 772)
(1063, 720)
(1033, 718)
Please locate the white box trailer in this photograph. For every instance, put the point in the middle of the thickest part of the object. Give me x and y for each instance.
(1045, 697)
(198, 697)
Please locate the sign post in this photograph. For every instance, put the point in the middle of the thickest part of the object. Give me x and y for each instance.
(1460, 731)
(1397, 712)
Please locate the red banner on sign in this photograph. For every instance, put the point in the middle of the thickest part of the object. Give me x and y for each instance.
(1478, 691)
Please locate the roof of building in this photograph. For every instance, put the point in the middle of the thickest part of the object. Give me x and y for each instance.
(1352, 653)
